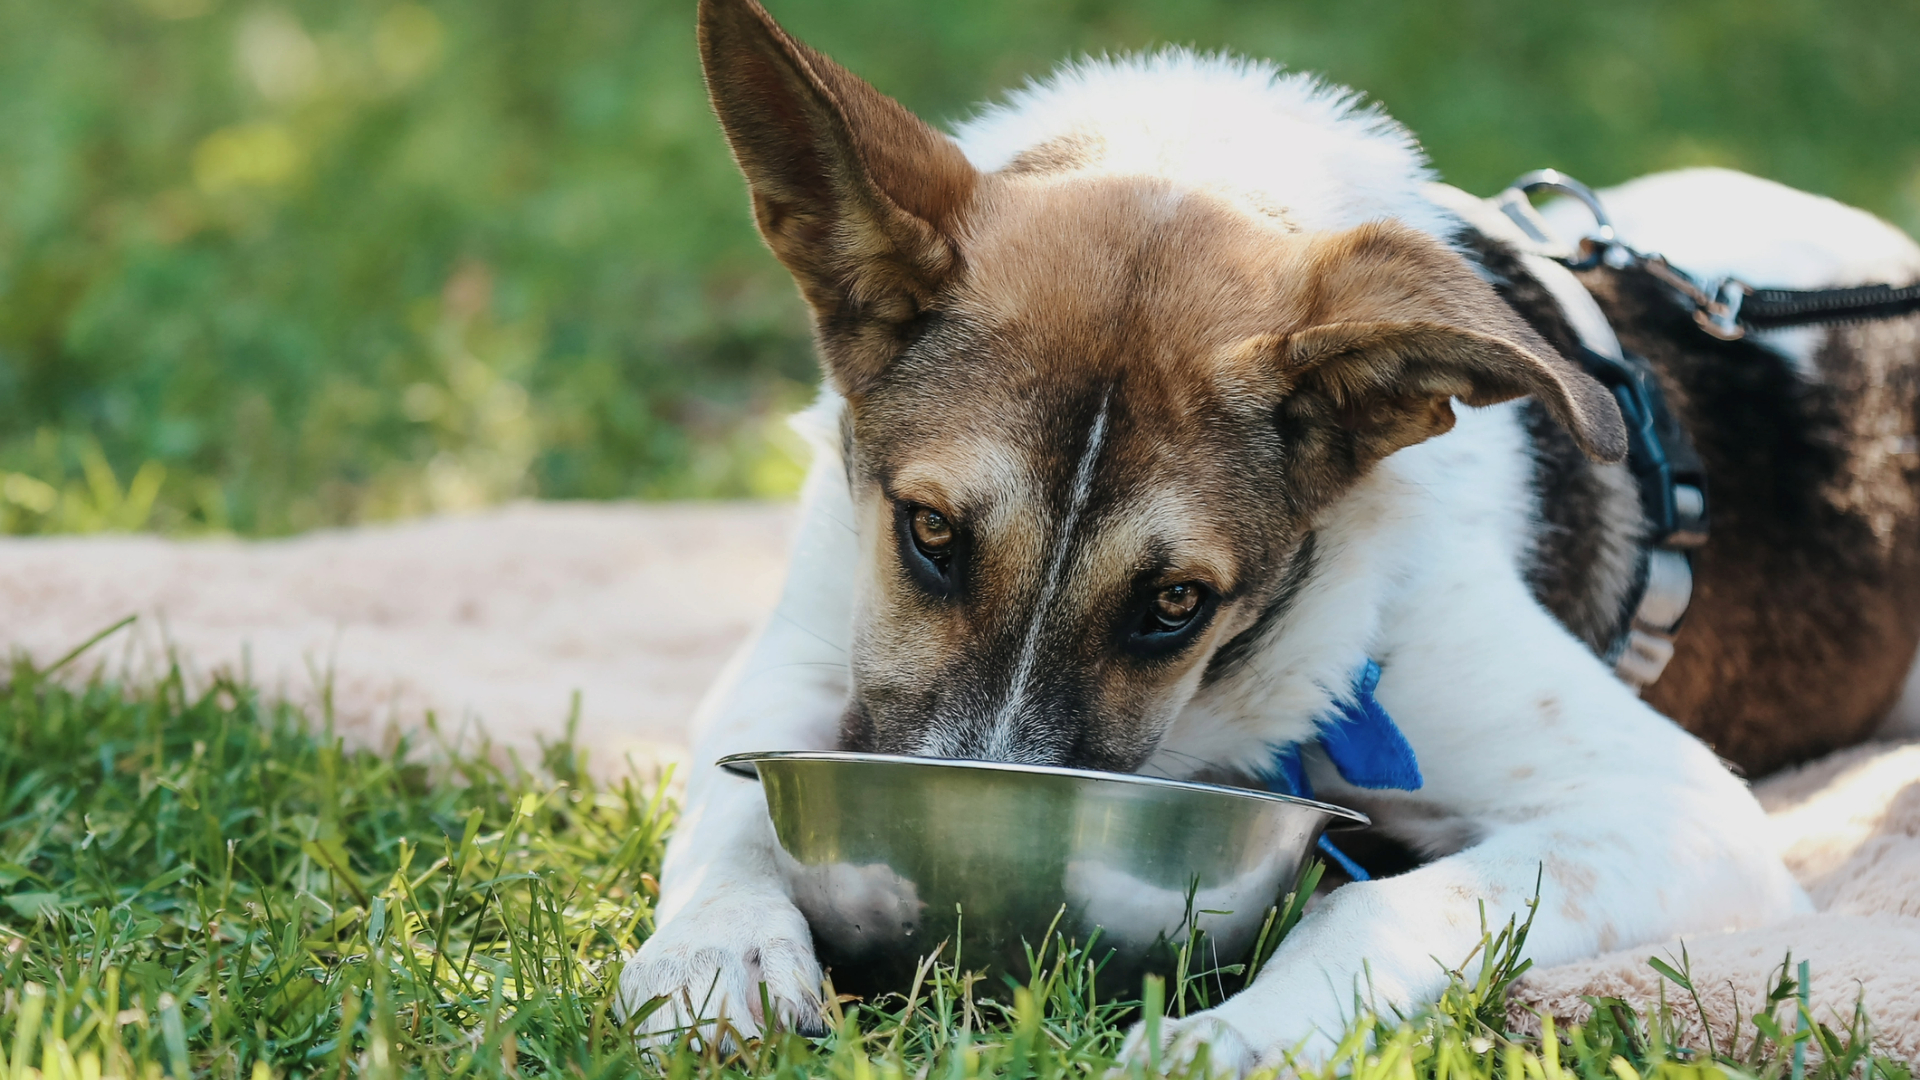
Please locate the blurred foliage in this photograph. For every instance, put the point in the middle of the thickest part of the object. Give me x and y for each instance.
(265, 267)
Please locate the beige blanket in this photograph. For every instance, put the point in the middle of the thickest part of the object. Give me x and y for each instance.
(1850, 827)
(504, 615)
(501, 615)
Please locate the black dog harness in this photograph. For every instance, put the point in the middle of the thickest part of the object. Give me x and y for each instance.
(1660, 455)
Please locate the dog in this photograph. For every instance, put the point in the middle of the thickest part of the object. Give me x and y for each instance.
(1163, 395)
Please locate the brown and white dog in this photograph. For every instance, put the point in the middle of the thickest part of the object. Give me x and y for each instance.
(1162, 396)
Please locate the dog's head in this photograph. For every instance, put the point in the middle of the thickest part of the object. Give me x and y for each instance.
(1090, 418)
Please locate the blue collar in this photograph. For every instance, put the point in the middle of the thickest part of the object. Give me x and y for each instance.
(1366, 749)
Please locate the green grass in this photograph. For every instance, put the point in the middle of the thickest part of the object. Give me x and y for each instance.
(267, 265)
(201, 882)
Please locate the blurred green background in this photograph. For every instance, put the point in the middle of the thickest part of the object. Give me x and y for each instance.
(272, 266)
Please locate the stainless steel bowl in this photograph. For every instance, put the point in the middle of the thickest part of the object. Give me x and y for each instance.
(888, 856)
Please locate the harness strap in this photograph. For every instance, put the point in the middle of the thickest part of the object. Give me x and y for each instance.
(1672, 482)
(1767, 309)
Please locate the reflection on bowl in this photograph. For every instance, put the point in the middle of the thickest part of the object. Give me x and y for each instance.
(890, 856)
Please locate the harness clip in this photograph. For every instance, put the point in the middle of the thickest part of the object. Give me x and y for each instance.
(1721, 315)
(1716, 304)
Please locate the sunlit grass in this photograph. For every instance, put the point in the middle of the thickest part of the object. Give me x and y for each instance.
(199, 881)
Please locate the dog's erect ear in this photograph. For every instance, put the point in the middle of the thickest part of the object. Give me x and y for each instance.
(1393, 327)
(856, 195)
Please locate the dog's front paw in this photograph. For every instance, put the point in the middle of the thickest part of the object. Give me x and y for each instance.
(721, 964)
(1203, 1039)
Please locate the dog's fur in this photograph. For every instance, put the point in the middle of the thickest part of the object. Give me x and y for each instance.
(1187, 321)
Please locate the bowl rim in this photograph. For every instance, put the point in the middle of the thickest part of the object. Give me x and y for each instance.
(1343, 817)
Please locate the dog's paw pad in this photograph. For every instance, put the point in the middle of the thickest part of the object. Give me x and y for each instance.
(720, 977)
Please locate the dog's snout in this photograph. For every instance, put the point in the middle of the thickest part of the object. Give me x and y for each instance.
(1022, 738)
(1045, 726)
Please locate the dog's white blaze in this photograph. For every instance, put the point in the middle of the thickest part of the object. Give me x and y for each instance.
(1000, 740)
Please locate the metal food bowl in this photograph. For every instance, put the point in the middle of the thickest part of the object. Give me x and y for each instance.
(889, 856)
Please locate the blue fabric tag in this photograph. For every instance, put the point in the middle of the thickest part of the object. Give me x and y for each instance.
(1363, 742)
(1365, 746)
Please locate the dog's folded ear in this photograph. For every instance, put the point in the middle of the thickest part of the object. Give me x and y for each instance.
(856, 195)
(1392, 327)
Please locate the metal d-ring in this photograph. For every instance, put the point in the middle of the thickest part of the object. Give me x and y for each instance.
(1555, 180)
(1603, 237)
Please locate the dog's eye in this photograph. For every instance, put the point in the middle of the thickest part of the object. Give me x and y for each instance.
(932, 532)
(932, 547)
(1168, 619)
(1175, 605)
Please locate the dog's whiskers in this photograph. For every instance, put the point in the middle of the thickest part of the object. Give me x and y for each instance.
(815, 635)
(1200, 764)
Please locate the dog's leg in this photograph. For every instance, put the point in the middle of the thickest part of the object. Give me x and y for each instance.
(1633, 830)
(725, 924)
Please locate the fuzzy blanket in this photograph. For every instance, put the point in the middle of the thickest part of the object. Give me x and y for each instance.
(1849, 825)
(504, 615)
